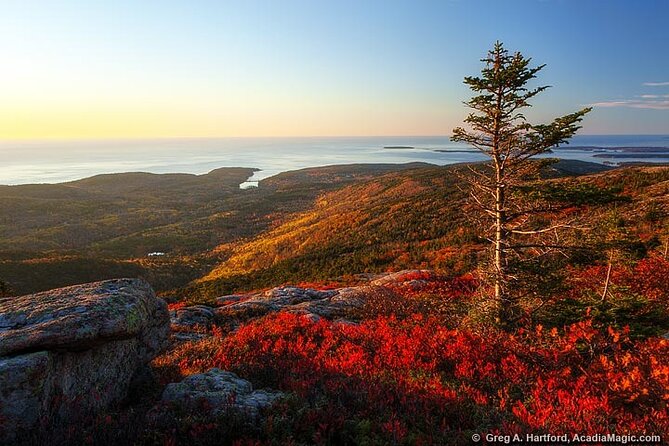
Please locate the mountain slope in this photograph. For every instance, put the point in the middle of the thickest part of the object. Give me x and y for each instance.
(413, 219)
(103, 227)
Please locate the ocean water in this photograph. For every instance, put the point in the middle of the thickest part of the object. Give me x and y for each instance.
(59, 161)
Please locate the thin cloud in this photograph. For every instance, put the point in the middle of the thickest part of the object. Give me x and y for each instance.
(609, 104)
(647, 101)
(646, 104)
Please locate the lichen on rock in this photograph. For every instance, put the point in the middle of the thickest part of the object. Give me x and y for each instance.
(75, 350)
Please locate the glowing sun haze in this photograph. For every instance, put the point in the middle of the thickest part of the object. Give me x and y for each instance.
(98, 69)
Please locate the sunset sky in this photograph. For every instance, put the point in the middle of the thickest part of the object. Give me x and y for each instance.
(98, 69)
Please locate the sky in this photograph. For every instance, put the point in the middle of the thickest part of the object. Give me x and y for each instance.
(145, 69)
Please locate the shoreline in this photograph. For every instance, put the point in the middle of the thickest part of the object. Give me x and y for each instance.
(250, 183)
(609, 156)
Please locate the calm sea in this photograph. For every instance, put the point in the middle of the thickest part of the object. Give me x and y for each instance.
(57, 161)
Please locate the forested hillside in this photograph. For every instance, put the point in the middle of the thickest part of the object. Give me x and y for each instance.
(422, 218)
(105, 226)
(316, 224)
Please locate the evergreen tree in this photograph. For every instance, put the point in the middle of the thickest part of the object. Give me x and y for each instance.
(498, 128)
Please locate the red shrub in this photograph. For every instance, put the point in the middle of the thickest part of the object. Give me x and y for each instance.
(649, 277)
(177, 305)
(417, 379)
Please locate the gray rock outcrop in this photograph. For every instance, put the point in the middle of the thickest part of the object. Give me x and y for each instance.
(407, 277)
(332, 304)
(322, 303)
(193, 316)
(75, 350)
(219, 390)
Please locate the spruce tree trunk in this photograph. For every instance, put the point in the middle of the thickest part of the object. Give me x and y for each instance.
(500, 240)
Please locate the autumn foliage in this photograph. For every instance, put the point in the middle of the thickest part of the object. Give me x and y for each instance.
(649, 278)
(414, 381)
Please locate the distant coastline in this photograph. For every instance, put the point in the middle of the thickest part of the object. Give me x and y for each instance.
(625, 152)
(638, 153)
(634, 149)
(51, 162)
(650, 155)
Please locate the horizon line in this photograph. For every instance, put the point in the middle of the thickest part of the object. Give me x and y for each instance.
(140, 138)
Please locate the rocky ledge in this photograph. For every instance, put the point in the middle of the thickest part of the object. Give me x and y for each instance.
(75, 350)
(335, 304)
(220, 390)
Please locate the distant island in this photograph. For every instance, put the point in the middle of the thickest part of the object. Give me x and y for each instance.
(625, 152)
(633, 149)
(632, 155)
(616, 152)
